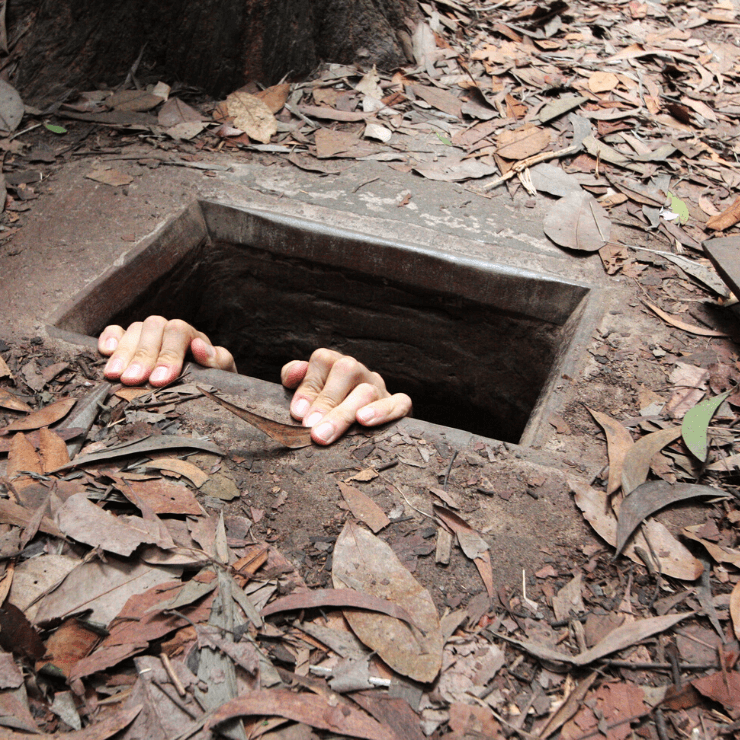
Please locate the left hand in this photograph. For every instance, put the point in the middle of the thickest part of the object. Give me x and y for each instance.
(334, 390)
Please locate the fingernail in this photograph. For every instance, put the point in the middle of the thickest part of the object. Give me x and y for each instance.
(114, 367)
(300, 407)
(313, 420)
(132, 372)
(366, 415)
(159, 374)
(324, 432)
(111, 344)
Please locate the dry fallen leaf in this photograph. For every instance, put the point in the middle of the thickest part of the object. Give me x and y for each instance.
(365, 563)
(577, 221)
(364, 508)
(22, 458)
(288, 435)
(602, 82)
(252, 116)
(53, 450)
(636, 464)
(691, 328)
(522, 142)
(441, 99)
(735, 609)
(275, 97)
(111, 177)
(310, 709)
(345, 598)
(10, 401)
(618, 443)
(174, 112)
(676, 561)
(648, 498)
(182, 467)
(43, 417)
(4, 369)
(729, 217)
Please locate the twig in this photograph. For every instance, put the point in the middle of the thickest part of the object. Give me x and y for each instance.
(522, 164)
(184, 707)
(171, 673)
(449, 468)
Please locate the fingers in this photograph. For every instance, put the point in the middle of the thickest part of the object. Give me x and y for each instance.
(108, 340)
(387, 409)
(334, 423)
(293, 373)
(155, 350)
(335, 390)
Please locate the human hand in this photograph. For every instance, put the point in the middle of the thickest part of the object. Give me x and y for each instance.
(335, 390)
(155, 350)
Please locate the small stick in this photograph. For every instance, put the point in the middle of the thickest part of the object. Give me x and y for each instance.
(171, 673)
(528, 162)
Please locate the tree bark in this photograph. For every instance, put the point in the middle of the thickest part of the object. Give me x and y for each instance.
(217, 45)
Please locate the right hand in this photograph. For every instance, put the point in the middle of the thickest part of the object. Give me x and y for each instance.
(155, 349)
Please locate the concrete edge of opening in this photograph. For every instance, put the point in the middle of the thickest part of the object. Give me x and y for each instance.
(579, 306)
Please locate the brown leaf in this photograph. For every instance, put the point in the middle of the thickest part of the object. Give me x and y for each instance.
(43, 417)
(365, 563)
(22, 457)
(4, 369)
(144, 446)
(11, 676)
(648, 498)
(175, 112)
(455, 171)
(110, 725)
(577, 221)
(472, 721)
(600, 82)
(17, 634)
(330, 143)
(331, 114)
(440, 99)
(722, 687)
(637, 460)
(340, 597)
(720, 553)
(71, 642)
(100, 587)
(11, 513)
(9, 401)
(53, 450)
(471, 543)
(568, 708)
(618, 639)
(729, 217)
(111, 177)
(252, 116)
(675, 559)
(275, 97)
(182, 467)
(165, 497)
(310, 709)
(364, 508)
(133, 100)
(735, 609)
(83, 521)
(522, 142)
(691, 328)
(618, 442)
(288, 435)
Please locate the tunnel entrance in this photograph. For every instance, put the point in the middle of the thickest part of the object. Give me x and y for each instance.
(473, 344)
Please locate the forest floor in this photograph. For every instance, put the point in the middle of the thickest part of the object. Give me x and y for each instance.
(181, 573)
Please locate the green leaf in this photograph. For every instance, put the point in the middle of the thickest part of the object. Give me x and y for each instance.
(695, 423)
(55, 129)
(679, 208)
(443, 139)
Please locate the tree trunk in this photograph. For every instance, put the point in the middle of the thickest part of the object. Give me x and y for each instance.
(217, 45)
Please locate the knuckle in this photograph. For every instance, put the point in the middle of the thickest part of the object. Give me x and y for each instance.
(369, 391)
(347, 365)
(136, 325)
(378, 382)
(169, 357)
(177, 325)
(155, 321)
(323, 356)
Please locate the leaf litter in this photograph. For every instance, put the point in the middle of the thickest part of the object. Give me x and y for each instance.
(507, 90)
